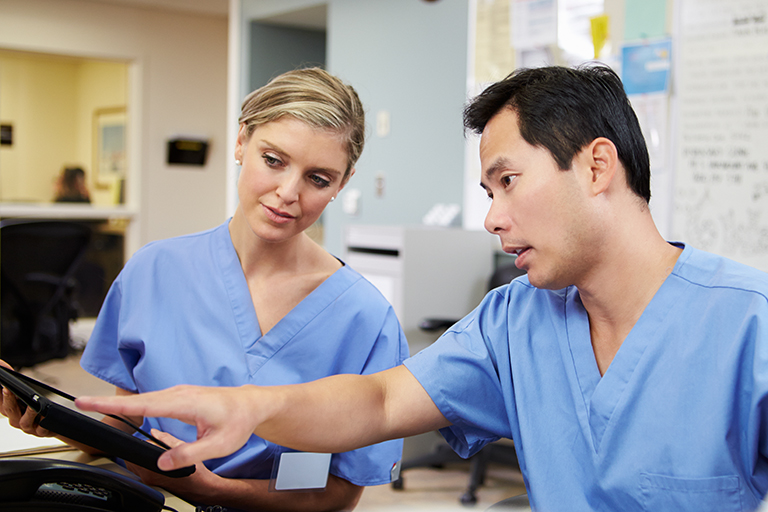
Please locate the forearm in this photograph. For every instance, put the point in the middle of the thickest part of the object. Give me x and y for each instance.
(80, 446)
(334, 414)
(248, 494)
(345, 412)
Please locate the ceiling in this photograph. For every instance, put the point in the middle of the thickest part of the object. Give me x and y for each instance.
(210, 7)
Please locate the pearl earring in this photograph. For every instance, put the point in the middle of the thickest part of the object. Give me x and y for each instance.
(332, 199)
(238, 162)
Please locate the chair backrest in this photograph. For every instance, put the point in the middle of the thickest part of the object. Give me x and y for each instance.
(515, 503)
(37, 262)
(42, 248)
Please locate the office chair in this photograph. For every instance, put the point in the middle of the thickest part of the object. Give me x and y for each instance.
(501, 452)
(514, 504)
(38, 260)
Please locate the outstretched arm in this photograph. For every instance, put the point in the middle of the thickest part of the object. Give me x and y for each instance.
(334, 414)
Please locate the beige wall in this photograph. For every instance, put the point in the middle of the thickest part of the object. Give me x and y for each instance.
(177, 86)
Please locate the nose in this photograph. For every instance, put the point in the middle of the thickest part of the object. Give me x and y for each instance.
(497, 220)
(289, 186)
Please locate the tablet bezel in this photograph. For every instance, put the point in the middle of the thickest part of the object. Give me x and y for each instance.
(70, 423)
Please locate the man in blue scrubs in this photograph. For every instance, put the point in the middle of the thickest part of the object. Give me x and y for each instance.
(632, 373)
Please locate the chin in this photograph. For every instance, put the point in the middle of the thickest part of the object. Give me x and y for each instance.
(537, 283)
(544, 282)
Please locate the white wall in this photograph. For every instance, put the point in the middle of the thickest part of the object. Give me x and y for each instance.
(178, 86)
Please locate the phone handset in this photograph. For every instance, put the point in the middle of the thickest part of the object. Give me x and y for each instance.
(47, 484)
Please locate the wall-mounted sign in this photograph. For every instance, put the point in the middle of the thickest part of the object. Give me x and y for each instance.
(187, 151)
(6, 134)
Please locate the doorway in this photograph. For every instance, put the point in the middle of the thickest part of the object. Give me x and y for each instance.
(66, 104)
(286, 41)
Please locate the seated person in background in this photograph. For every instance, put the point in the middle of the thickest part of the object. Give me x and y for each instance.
(70, 186)
(632, 373)
(256, 301)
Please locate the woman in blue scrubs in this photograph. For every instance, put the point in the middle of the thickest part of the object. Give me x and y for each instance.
(256, 300)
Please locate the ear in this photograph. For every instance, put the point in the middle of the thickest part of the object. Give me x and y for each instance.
(603, 161)
(241, 142)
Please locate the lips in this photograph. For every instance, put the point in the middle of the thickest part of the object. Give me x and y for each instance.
(276, 215)
(515, 251)
(520, 252)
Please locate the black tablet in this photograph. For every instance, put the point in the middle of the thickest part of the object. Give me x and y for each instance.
(59, 415)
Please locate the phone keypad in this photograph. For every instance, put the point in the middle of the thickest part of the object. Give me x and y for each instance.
(69, 492)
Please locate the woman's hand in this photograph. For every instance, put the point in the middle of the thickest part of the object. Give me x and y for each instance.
(196, 487)
(29, 421)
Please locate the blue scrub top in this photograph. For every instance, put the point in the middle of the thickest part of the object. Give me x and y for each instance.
(677, 422)
(181, 312)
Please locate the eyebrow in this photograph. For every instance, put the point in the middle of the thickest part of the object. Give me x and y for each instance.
(277, 148)
(495, 168)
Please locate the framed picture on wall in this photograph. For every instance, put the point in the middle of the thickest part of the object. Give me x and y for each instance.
(109, 144)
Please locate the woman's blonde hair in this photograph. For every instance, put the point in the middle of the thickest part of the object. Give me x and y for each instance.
(314, 96)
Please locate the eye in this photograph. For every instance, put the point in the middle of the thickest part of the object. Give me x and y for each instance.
(319, 181)
(271, 161)
(506, 180)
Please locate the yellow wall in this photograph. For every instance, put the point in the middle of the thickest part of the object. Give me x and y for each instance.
(101, 85)
(50, 101)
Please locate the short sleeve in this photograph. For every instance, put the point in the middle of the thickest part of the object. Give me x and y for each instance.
(460, 372)
(391, 347)
(99, 358)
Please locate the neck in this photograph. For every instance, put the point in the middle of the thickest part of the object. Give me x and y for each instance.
(258, 256)
(632, 268)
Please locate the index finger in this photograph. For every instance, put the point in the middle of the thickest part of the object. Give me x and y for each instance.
(168, 403)
(221, 419)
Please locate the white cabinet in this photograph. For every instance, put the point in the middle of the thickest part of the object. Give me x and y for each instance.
(424, 272)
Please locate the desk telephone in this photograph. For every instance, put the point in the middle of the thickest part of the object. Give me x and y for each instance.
(44, 485)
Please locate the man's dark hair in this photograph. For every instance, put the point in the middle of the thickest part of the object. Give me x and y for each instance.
(565, 109)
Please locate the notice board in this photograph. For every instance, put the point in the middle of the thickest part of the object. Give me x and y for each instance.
(721, 135)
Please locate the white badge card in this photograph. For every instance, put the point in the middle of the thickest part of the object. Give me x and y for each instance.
(295, 471)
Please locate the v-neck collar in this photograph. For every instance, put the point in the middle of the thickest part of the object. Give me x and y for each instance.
(259, 347)
(602, 395)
